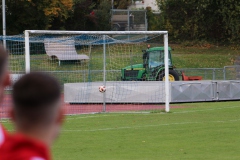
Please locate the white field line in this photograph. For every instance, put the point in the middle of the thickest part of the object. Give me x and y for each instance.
(112, 114)
(144, 126)
(96, 116)
(212, 109)
(143, 113)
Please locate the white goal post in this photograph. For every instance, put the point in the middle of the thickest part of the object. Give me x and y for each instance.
(29, 36)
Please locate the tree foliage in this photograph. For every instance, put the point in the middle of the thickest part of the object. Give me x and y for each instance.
(214, 20)
(103, 16)
(57, 15)
(121, 4)
(80, 18)
(35, 14)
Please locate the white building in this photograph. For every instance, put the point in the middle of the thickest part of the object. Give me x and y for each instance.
(145, 3)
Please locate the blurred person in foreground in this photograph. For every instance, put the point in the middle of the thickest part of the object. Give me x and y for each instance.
(4, 81)
(37, 114)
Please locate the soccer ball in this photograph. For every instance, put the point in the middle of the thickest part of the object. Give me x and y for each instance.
(102, 89)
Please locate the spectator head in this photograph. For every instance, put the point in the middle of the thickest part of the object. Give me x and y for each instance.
(37, 105)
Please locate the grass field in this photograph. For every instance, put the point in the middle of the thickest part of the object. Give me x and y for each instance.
(118, 56)
(122, 55)
(203, 57)
(191, 131)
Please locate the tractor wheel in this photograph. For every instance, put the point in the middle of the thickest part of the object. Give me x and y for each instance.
(173, 76)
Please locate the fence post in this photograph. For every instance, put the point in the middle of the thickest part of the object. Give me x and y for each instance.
(146, 24)
(128, 19)
(224, 73)
(205, 74)
(104, 72)
(213, 73)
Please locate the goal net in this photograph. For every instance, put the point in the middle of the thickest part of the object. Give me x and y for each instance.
(83, 60)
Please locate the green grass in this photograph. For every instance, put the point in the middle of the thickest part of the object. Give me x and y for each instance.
(200, 131)
(197, 57)
(119, 56)
(195, 131)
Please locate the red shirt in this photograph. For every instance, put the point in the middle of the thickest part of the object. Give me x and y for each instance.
(20, 147)
(3, 135)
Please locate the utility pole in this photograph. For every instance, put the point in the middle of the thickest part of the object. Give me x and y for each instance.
(4, 22)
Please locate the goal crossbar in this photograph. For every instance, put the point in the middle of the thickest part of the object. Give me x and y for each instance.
(94, 32)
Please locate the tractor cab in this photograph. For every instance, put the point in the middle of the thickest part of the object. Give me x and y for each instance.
(154, 58)
(152, 68)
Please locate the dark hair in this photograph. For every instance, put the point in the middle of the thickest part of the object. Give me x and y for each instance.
(34, 97)
(3, 59)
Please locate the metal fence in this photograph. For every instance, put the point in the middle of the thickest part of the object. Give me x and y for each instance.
(231, 72)
(196, 91)
(128, 20)
(225, 73)
(205, 73)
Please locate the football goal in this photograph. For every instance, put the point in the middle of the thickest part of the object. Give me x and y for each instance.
(133, 67)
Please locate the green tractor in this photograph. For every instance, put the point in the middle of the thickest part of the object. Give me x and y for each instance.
(152, 68)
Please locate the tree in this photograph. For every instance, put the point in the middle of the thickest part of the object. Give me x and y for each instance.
(121, 4)
(103, 16)
(80, 18)
(214, 20)
(35, 14)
